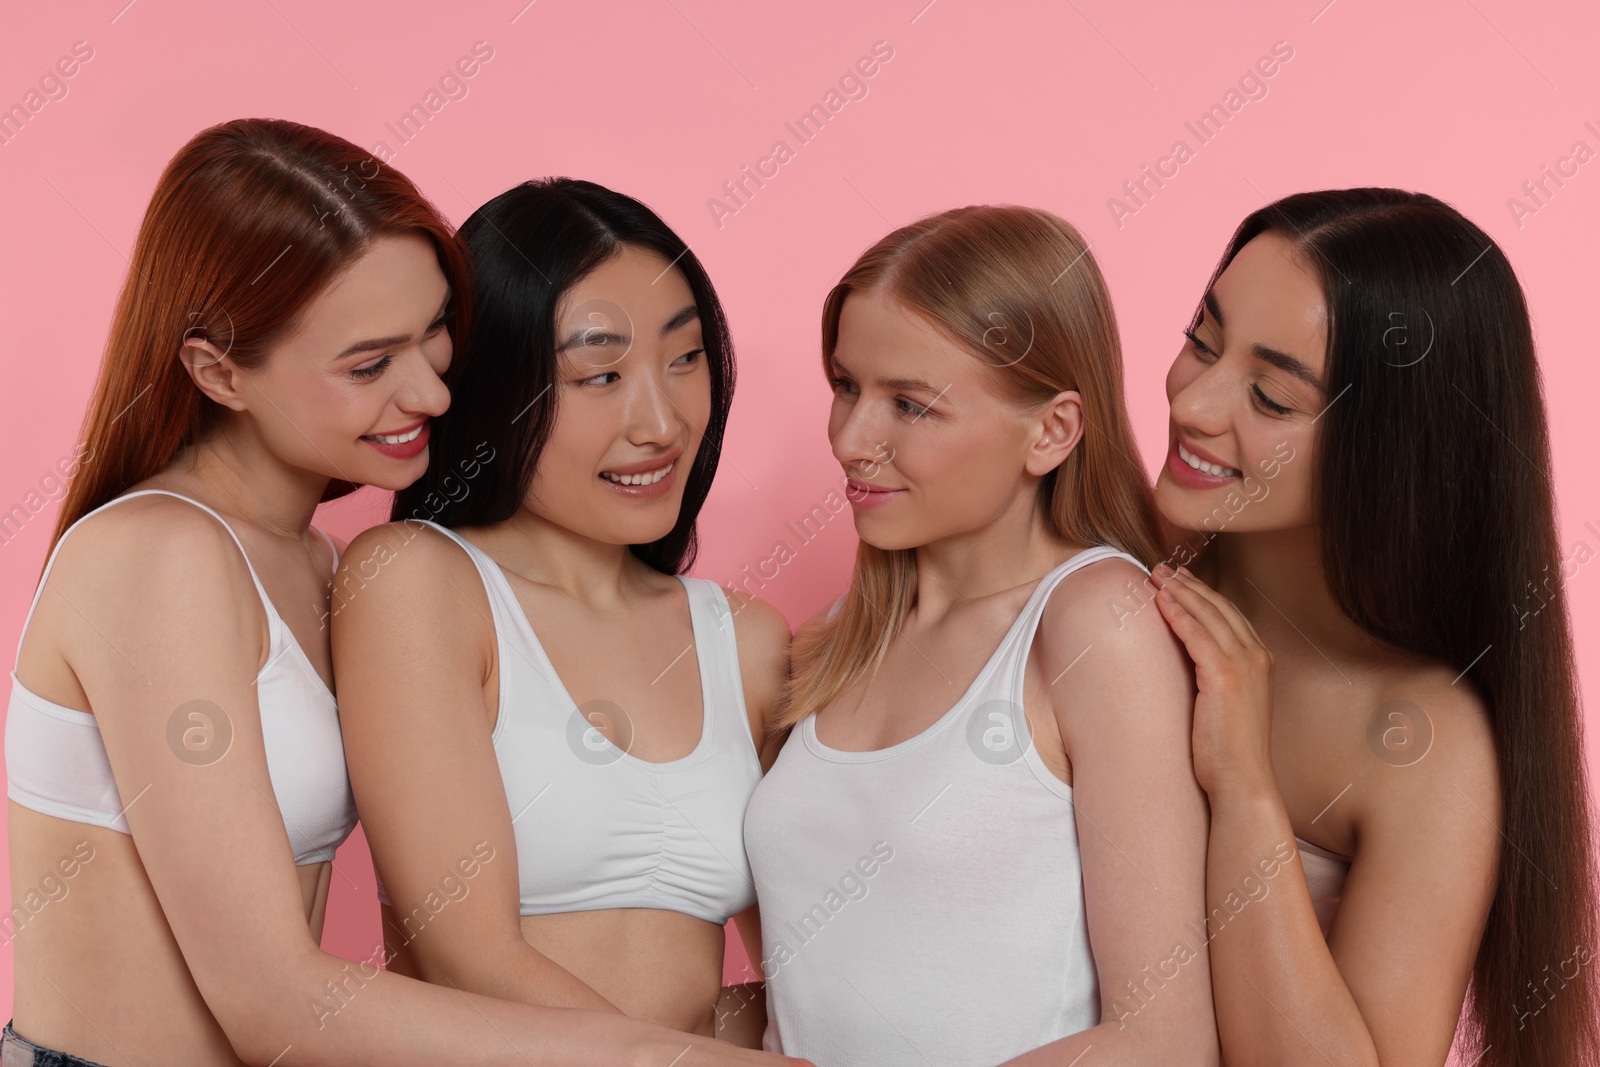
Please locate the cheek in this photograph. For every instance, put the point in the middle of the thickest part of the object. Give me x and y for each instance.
(311, 411)
(572, 453)
(1286, 482)
(696, 402)
(971, 467)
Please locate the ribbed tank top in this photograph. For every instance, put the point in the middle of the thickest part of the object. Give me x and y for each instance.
(595, 826)
(56, 762)
(923, 903)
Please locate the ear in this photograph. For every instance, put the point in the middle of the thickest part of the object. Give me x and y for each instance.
(213, 373)
(1058, 428)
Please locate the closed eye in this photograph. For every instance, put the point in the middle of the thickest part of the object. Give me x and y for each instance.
(372, 371)
(1261, 398)
(1198, 344)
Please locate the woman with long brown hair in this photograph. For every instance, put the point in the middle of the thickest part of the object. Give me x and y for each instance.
(982, 840)
(1360, 466)
(176, 776)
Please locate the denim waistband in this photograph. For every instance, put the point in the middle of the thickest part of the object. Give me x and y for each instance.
(16, 1052)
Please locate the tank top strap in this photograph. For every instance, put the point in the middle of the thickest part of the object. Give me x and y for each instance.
(502, 600)
(266, 601)
(718, 649)
(513, 631)
(1020, 638)
(331, 546)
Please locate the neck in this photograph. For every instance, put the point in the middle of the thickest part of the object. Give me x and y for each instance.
(236, 472)
(1275, 578)
(1013, 551)
(598, 573)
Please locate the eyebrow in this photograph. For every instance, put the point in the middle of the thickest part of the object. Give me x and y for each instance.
(389, 342)
(585, 336)
(1282, 360)
(909, 385)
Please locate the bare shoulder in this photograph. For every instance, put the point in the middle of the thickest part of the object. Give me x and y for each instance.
(1109, 603)
(762, 636)
(139, 567)
(1113, 668)
(401, 566)
(1432, 734)
(153, 541)
(758, 626)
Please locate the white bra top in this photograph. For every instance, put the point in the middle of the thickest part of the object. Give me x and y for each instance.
(597, 827)
(923, 903)
(1325, 873)
(56, 762)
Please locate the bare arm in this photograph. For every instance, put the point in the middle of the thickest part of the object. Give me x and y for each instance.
(762, 635)
(412, 646)
(169, 616)
(1124, 712)
(1388, 984)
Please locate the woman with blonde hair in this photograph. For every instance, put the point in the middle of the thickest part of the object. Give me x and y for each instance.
(982, 840)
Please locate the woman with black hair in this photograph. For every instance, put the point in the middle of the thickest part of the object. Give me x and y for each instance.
(1359, 453)
(531, 688)
(176, 782)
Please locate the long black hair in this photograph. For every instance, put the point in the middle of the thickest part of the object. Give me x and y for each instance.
(1431, 372)
(529, 246)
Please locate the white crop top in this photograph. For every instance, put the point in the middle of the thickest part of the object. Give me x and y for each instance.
(923, 903)
(56, 762)
(597, 827)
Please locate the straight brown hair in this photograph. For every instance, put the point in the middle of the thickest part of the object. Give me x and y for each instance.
(1435, 514)
(1018, 289)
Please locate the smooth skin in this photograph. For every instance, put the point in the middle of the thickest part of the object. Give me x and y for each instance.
(196, 940)
(1284, 737)
(418, 665)
(1114, 726)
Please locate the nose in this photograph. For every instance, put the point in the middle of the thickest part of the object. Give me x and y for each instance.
(422, 391)
(858, 440)
(652, 417)
(1203, 403)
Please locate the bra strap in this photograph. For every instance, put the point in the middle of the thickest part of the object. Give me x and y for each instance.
(44, 578)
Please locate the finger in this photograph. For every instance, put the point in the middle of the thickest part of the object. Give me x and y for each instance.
(1243, 632)
(1206, 614)
(1198, 638)
(1160, 580)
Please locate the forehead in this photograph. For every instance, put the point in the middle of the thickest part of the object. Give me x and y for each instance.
(380, 291)
(640, 282)
(879, 336)
(1269, 295)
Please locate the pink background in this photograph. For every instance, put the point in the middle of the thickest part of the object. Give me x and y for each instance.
(1040, 104)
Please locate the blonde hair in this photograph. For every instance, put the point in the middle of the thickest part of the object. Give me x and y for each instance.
(1018, 289)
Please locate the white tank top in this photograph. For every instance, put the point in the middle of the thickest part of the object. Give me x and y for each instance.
(56, 762)
(597, 827)
(923, 903)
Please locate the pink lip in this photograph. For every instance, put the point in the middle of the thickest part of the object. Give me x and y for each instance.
(647, 465)
(407, 450)
(1187, 476)
(645, 492)
(862, 495)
